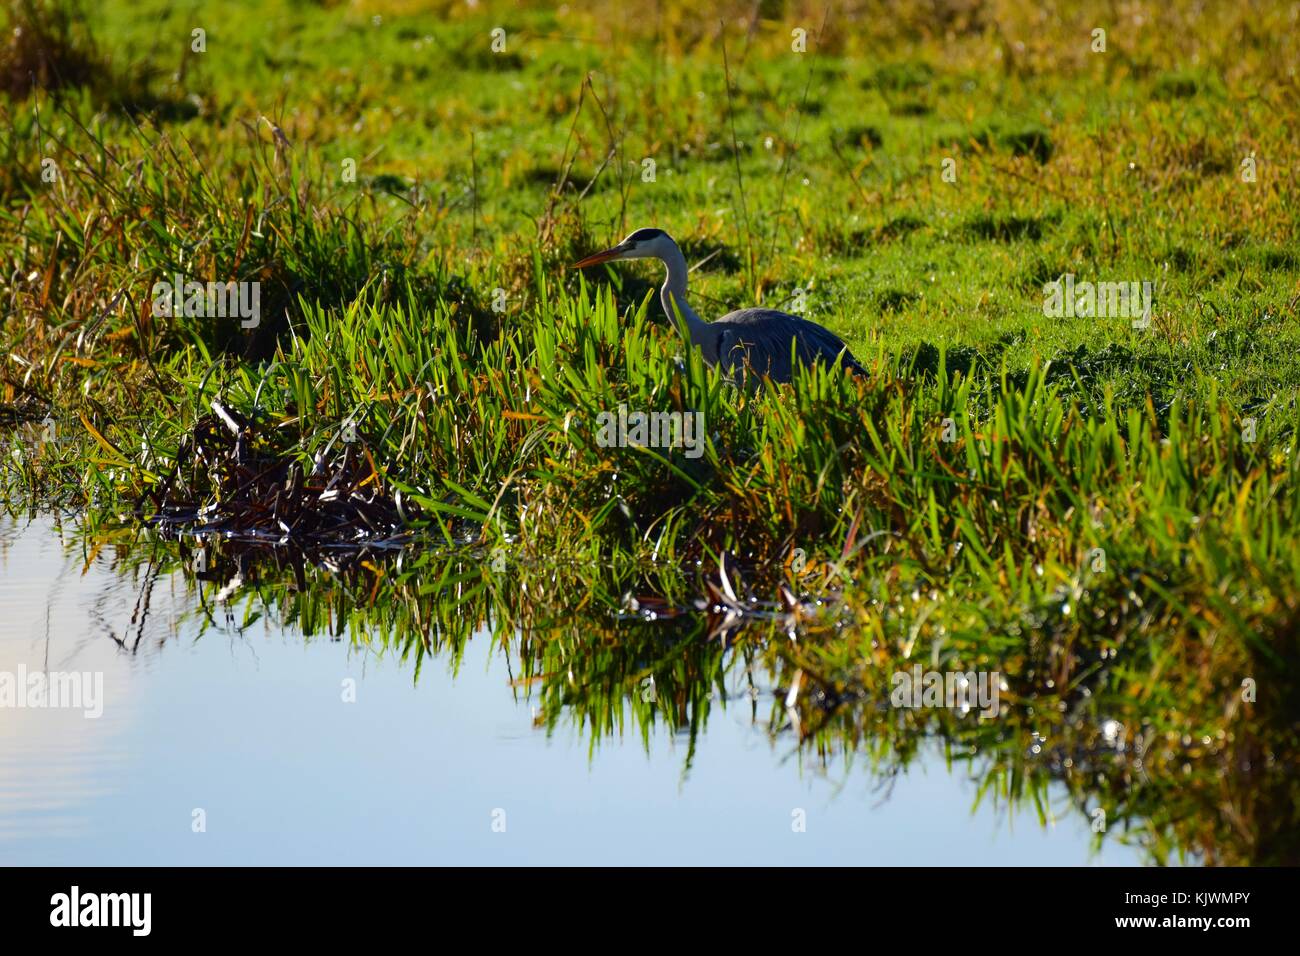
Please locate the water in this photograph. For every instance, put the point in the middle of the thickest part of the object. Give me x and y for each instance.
(250, 734)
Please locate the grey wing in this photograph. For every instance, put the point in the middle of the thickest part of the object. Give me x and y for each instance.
(762, 339)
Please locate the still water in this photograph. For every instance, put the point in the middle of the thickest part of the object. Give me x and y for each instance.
(221, 746)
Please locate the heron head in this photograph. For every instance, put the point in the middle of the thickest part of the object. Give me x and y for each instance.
(642, 244)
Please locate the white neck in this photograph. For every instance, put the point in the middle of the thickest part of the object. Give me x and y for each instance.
(673, 297)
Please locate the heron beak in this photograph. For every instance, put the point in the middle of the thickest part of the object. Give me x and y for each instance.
(599, 257)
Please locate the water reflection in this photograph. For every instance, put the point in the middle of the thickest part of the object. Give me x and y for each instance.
(53, 759)
(227, 691)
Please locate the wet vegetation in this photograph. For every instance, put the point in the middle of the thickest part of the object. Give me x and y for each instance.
(404, 449)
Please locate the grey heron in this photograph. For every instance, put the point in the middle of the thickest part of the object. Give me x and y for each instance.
(761, 340)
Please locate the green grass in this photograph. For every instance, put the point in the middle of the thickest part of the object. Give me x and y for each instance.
(952, 505)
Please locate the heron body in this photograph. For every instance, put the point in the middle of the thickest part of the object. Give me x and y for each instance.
(764, 341)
